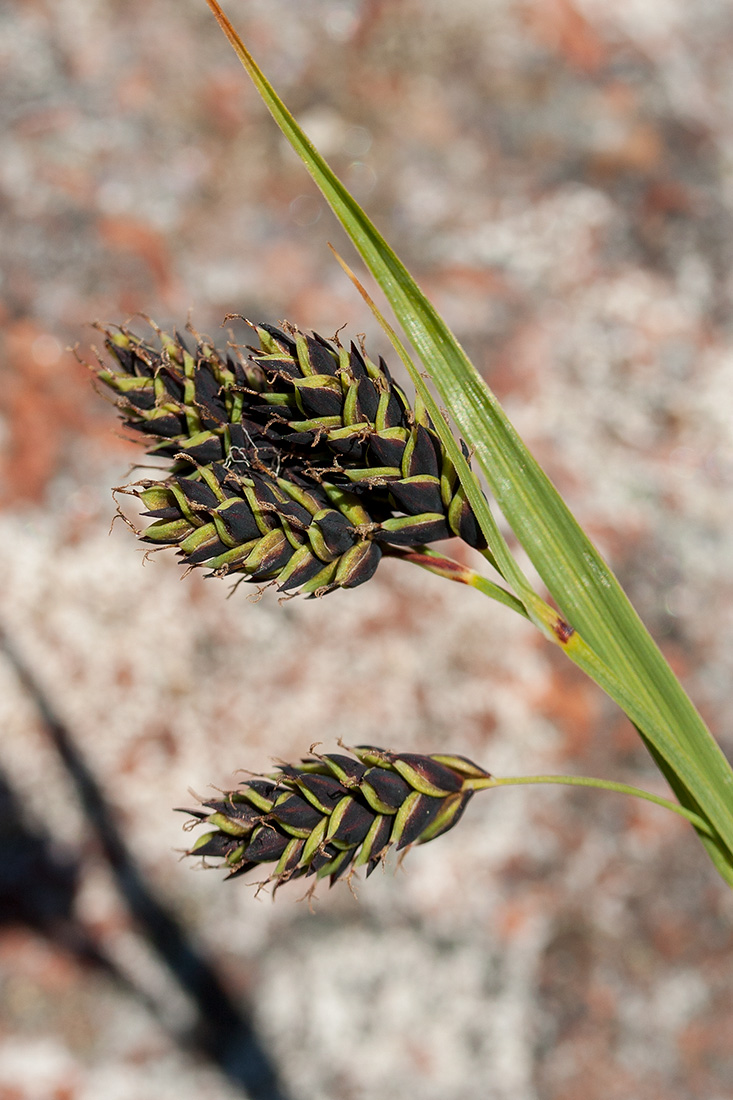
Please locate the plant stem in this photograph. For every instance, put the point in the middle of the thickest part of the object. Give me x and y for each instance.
(453, 570)
(589, 781)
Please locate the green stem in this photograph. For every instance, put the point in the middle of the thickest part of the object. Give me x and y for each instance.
(453, 570)
(589, 781)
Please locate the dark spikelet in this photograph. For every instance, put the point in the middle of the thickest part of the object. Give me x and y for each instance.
(335, 813)
(298, 462)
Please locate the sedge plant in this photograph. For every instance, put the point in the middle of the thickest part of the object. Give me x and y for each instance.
(299, 462)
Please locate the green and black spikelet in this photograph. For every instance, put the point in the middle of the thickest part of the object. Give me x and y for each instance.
(334, 812)
(301, 462)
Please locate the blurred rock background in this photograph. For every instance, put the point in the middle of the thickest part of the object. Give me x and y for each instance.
(557, 174)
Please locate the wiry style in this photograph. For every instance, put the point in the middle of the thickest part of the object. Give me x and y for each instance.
(301, 462)
(334, 812)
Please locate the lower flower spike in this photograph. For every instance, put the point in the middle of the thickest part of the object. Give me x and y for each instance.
(333, 813)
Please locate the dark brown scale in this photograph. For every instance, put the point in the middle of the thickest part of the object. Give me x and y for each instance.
(296, 514)
(242, 379)
(322, 359)
(141, 399)
(340, 870)
(243, 812)
(357, 366)
(385, 371)
(132, 361)
(219, 844)
(354, 769)
(424, 810)
(239, 522)
(386, 451)
(351, 449)
(365, 569)
(368, 398)
(207, 451)
(174, 512)
(394, 416)
(419, 533)
(465, 799)
(389, 787)
(424, 459)
(288, 367)
(197, 492)
(225, 478)
(417, 497)
(263, 490)
(265, 788)
(303, 573)
(272, 563)
(380, 843)
(209, 392)
(321, 858)
(167, 427)
(128, 359)
(241, 869)
(321, 401)
(337, 531)
(238, 439)
(204, 552)
(469, 530)
(283, 339)
(173, 383)
(289, 870)
(324, 788)
(266, 846)
(354, 825)
(296, 812)
(432, 771)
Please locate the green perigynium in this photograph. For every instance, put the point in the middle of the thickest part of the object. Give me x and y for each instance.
(299, 461)
(334, 812)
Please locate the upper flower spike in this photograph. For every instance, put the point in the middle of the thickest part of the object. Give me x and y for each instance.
(299, 462)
